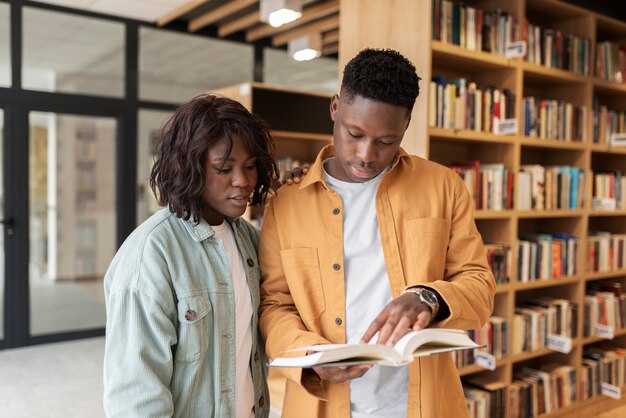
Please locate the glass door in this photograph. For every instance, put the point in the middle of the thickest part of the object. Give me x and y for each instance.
(72, 219)
(1, 217)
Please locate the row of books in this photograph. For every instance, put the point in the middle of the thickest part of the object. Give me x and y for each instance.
(457, 104)
(539, 319)
(485, 398)
(554, 119)
(611, 61)
(551, 187)
(489, 185)
(554, 49)
(546, 256)
(601, 366)
(472, 28)
(606, 251)
(494, 335)
(535, 392)
(499, 260)
(609, 185)
(607, 123)
(605, 309)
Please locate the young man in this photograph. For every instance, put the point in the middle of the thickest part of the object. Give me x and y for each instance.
(389, 243)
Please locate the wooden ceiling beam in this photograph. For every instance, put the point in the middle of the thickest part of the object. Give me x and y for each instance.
(179, 11)
(308, 15)
(322, 25)
(240, 23)
(219, 13)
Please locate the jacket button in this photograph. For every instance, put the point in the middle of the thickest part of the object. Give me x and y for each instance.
(336, 266)
(338, 321)
(336, 211)
(256, 356)
(250, 262)
(261, 401)
(190, 315)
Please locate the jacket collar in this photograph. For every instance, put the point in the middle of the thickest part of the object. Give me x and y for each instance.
(316, 173)
(203, 230)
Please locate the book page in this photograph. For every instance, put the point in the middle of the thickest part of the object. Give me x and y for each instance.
(431, 341)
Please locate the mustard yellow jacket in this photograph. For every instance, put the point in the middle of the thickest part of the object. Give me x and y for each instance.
(429, 237)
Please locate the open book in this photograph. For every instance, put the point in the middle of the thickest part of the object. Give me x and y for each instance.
(413, 344)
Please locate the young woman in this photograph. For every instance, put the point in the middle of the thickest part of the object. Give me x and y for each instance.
(182, 293)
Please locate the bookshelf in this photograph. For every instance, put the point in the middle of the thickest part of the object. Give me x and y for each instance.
(449, 143)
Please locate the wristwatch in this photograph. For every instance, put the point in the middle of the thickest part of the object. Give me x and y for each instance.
(428, 298)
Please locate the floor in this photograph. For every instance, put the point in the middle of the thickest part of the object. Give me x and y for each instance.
(64, 380)
(53, 380)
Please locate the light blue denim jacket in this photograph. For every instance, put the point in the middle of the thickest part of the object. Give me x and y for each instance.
(170, 334)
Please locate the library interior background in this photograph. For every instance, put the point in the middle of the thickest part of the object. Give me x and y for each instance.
(84, 91)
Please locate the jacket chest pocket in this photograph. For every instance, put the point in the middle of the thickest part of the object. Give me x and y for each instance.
(194, 320)
(427, 244)
(302, 271)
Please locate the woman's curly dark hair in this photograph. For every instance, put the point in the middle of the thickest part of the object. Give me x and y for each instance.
(384, 75)
(178, 175)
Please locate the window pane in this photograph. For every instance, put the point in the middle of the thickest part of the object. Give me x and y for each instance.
(150, 124)
(1, 234)
(175, 67)
(5, 45)
(72, 219)
(72, 54)
(318, 74)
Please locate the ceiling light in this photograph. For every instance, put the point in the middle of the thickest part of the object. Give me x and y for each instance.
(305, 48)
(279, 12)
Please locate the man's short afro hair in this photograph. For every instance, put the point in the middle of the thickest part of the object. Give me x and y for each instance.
(384, 75)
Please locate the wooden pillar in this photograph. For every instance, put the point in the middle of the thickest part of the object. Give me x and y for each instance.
(403, 25)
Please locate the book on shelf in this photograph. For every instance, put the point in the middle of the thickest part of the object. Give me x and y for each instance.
(412, 345)
(490, 396)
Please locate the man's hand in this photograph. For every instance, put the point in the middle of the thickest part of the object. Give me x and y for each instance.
(342, 374)
(295, 174)
(401, 314)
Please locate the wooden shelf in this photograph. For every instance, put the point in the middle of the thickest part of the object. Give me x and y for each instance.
(493, 214)
(518, 358)
(604, 148)
(608, 87)
(545, 75)
(503, 288)
(604, 275)
(467, 135)
(561, 213)
(551, 143)
(302, 136)
(471, 369)
(599, 213)
(449, 55)
(593, 339)
(543, 283)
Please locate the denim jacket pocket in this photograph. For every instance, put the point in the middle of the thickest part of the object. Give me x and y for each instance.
(193, 327)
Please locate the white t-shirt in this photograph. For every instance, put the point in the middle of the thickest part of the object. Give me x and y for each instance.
(244, 389)
(382, 391)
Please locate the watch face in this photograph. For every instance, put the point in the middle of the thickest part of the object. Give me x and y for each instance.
(429, 297)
